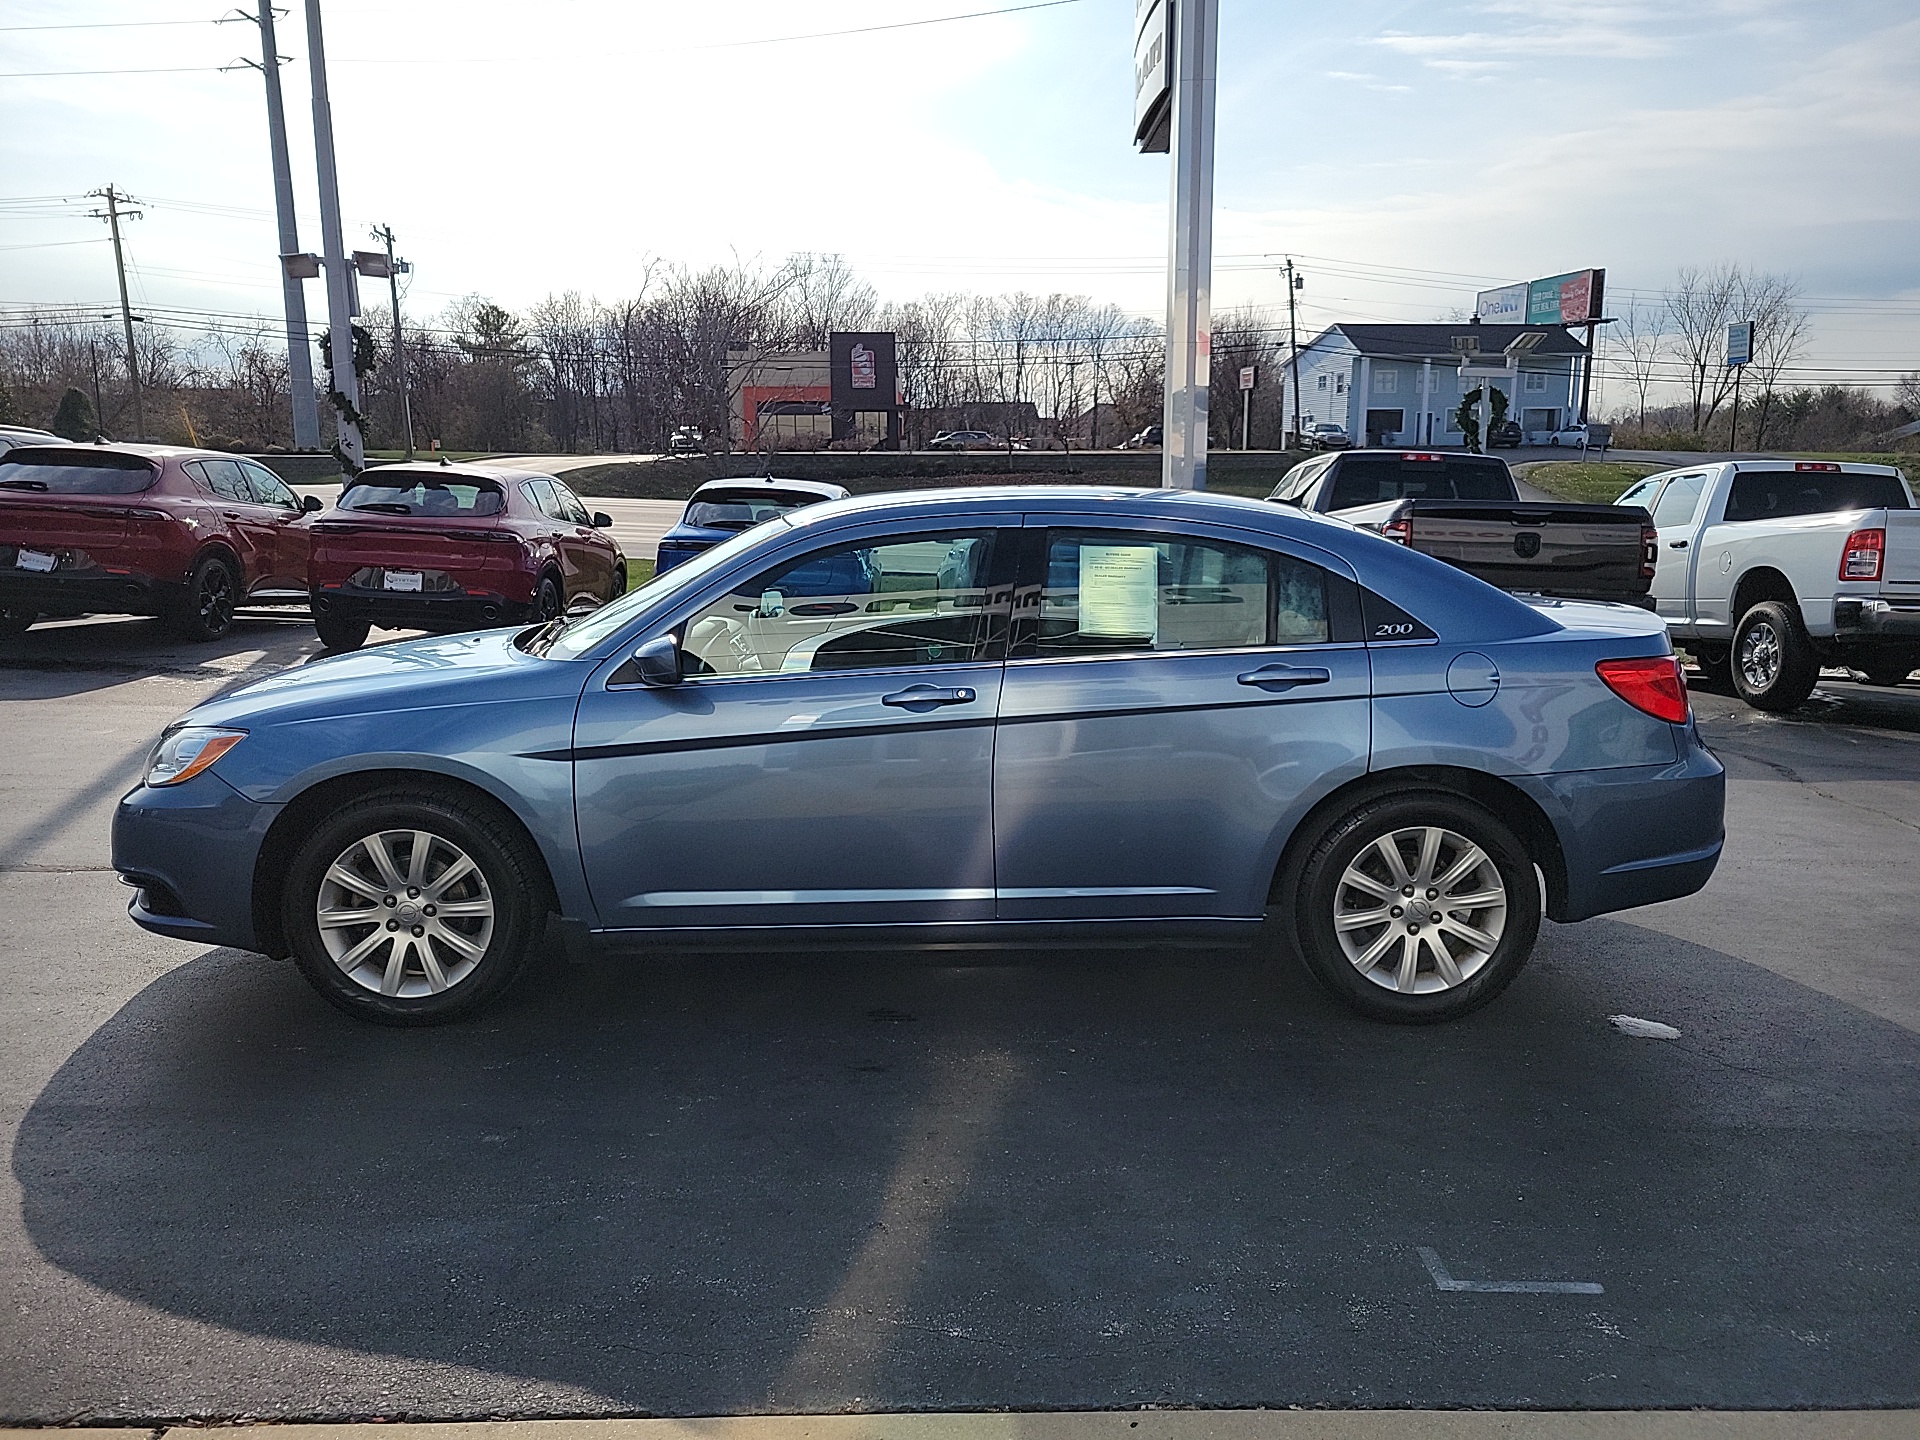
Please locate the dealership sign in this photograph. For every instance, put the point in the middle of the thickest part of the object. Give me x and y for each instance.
(1571, 299)
(1153, 75)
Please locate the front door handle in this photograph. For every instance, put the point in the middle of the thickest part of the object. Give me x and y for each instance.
(929, 697)
(1285, 677)
(1676, 544)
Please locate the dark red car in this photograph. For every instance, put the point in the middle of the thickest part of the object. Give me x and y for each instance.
(145, 530)
(455, 547)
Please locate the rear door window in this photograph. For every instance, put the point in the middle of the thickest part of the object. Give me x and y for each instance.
(269, 488)
(540, 492)
(1678, 502)
(224, 478)
(1781, 494)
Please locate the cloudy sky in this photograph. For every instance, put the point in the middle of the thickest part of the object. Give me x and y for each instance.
(1408, 154)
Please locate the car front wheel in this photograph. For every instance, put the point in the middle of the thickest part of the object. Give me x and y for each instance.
(412, 908)
(1416, 908)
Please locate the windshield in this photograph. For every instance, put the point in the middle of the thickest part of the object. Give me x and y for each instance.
(741, 510)
(423, 495)
(574, 638)
(1368, 480)
(79, 475)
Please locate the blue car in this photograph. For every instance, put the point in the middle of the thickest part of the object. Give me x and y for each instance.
(721, 509)
(992, 716)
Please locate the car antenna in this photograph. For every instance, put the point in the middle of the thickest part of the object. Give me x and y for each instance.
(444, 461)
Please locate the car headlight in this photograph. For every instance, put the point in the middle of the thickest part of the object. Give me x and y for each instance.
(184, 753)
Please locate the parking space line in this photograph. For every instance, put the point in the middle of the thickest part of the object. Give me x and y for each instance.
(1442, 1280)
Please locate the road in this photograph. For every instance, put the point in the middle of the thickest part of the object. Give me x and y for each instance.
(865, 1182)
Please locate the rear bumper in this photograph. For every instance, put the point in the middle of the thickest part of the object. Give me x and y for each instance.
(87, 592)
(1638, 835)
(444, 613)
(189, 851)
(1875, 619)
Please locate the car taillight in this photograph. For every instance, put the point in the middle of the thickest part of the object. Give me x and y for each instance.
(1649, 549)
(1400, 530)
(1654, 685)
(1861, 556)
(1420, 455)
(1825, 467)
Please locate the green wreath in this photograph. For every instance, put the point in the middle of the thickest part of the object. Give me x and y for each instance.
(1467, 421)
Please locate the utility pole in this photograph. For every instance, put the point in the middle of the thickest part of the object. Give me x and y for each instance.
(1196, 44)
(306, 417)
(112, 216)
(99, 415)
(344, 384)
(394, 270)
(1293, 348)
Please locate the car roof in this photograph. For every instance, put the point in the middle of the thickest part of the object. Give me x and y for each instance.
(432, 470)
(823, 489)
(118, 447)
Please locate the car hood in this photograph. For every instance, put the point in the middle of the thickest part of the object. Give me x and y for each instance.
(474, 668)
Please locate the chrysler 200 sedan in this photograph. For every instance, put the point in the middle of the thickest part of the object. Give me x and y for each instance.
(952, 718)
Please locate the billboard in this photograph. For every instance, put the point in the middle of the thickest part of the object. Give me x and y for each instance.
(862, 370)
(1570, 299)
(1153, 75)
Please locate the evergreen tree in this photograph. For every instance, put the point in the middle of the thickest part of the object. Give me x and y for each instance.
(74, 419)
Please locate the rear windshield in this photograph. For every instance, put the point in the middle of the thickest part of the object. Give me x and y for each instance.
(424, 496)
(47, 473)
(743, 509)
(1369, 479)
(1777, 494)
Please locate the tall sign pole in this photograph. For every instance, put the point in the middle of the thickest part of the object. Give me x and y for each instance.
(344, 385)
(1196, 33)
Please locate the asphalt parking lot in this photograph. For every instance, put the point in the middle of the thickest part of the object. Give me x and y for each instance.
(864, 1182)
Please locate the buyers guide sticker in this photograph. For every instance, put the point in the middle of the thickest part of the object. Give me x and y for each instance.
(1120, 591)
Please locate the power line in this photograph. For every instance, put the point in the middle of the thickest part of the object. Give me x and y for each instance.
(103, 25)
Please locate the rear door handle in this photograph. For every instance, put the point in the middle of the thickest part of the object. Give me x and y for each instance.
(1676, 544)
(1285, 677)
(929, 697)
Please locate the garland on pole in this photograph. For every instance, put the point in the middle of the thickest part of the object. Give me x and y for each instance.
(364, 359)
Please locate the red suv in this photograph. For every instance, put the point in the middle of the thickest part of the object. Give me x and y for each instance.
(455, 547)
(145, 530)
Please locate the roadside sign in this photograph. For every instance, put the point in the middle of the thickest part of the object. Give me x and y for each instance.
(1504, 306)
(1570, 299)
(1249, 376)
(1740, 343)
(1152, 76)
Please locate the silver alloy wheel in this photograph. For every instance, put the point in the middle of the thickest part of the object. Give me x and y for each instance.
(1420, 910)
(405, 913)
(1760, 655)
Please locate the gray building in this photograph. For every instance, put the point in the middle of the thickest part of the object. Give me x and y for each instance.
(1400, 384)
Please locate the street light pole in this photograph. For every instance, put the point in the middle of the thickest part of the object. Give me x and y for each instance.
(1196, 43)
(1293, 346)
(344, 383)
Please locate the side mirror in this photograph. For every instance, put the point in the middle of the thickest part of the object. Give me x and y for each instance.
(310, 504)
(658, 661)
(602, 520)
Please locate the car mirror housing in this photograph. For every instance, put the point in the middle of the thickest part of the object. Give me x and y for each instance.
(310, 504)
(658, 661)
(602, 520)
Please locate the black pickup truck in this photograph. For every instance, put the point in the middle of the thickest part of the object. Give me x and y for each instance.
(1466, 510)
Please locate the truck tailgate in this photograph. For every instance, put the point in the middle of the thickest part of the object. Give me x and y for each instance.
(1586, 551)
(1902, 573)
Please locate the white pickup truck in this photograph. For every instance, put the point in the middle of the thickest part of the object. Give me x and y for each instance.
(1769, 569)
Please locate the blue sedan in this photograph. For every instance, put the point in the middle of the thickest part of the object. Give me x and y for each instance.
(952, 718)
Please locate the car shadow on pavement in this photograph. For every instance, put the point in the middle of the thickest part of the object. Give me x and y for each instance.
(818, 1183)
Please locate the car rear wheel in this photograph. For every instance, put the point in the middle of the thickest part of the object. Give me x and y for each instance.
(337, 632)
(547, 597)
(1774, 667)
(213, 590)
(17, 622)
(1416, 908)
(412, 908)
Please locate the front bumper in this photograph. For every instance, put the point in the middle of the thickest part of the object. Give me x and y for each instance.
(86, 592)
(1875, 618)
(443, 613)
(1638, 835)
(189, 851)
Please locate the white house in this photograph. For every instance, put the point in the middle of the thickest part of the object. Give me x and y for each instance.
(1400, 384)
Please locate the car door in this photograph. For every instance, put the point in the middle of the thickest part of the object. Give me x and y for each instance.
(247, 524)
(827, 758)
(591, 552)
(1171, 697)
(292, 539)
(1674, 518)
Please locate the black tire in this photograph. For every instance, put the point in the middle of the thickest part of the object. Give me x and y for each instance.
(205, 612)
(1480, 974)
(619, 581)
(16, 622)
(509, 877)
(1889, 667)
(1716, 667)
(1774, 667)
(548, 597)
(339, 633)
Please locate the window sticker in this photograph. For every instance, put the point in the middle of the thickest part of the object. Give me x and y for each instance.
(1119, 591)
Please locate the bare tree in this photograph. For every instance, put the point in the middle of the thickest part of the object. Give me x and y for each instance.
(1699, 307)
(1780, 327)
(1639, 343)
